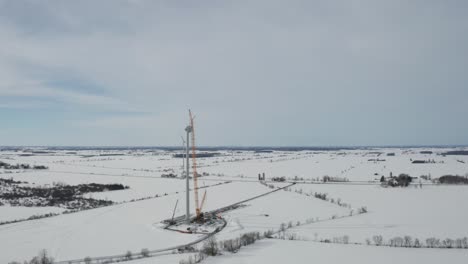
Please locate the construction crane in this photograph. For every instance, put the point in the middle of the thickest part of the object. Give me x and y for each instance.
(194, 166)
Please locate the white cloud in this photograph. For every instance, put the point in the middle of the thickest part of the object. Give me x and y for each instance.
(28, 105)
(267, 66)
(41, 91)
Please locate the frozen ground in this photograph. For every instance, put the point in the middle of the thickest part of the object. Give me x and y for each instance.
(433, 211)
(10, 213)
(270, 212)
(438, 211)
(298, 252)
(112, 230)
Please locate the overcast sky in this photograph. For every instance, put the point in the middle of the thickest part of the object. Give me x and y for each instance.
(282, 73)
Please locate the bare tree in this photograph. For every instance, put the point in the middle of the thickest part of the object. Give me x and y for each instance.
(210, 247)
(396, 242)
(378, 240)
(42, 258)
(459, 243)
(87, 260)
(432, 242)
(408, 241)
(292, 236)
(199, 257)
(345, 239)
(465, 242)
(417, 244)
(447, 243)
(282, 227)
(35, 260)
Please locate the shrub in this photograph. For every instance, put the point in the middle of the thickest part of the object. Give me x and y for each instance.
(128, 255)
(210, 247)
(145, 252)
(248, 238)
(292, 236)
(231, 245)
(268, 234)
(362, 210)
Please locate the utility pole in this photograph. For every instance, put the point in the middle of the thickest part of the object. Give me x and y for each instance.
(188, 129)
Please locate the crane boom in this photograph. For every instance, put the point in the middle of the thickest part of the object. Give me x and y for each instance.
(203, 201)
(194, 165)
(173, 212)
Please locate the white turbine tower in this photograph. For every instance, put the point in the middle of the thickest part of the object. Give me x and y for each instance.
(183, 151)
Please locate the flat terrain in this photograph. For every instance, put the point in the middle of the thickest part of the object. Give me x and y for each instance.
(422, 210)
(302, 252)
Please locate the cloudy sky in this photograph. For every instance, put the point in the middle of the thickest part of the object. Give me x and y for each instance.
(315, 73)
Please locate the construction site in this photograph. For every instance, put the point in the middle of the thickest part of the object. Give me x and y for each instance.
(199, 222)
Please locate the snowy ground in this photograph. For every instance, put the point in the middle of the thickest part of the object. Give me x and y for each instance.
(283, 251)
(10, 213)
(437, 211)
(116, 229)
(433, 211)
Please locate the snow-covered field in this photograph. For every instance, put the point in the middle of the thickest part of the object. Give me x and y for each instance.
(302, 252)
(431, 211)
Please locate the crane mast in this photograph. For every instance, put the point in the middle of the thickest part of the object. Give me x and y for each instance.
(194, 166)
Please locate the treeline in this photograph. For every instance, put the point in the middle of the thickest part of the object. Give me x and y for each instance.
(325, 197)
(453, 179)
(8, 166)
(60, 195)
(404, 241)
(42, 258)
(410, 242)
(10, 181)
(213, 248)
(456, 152)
